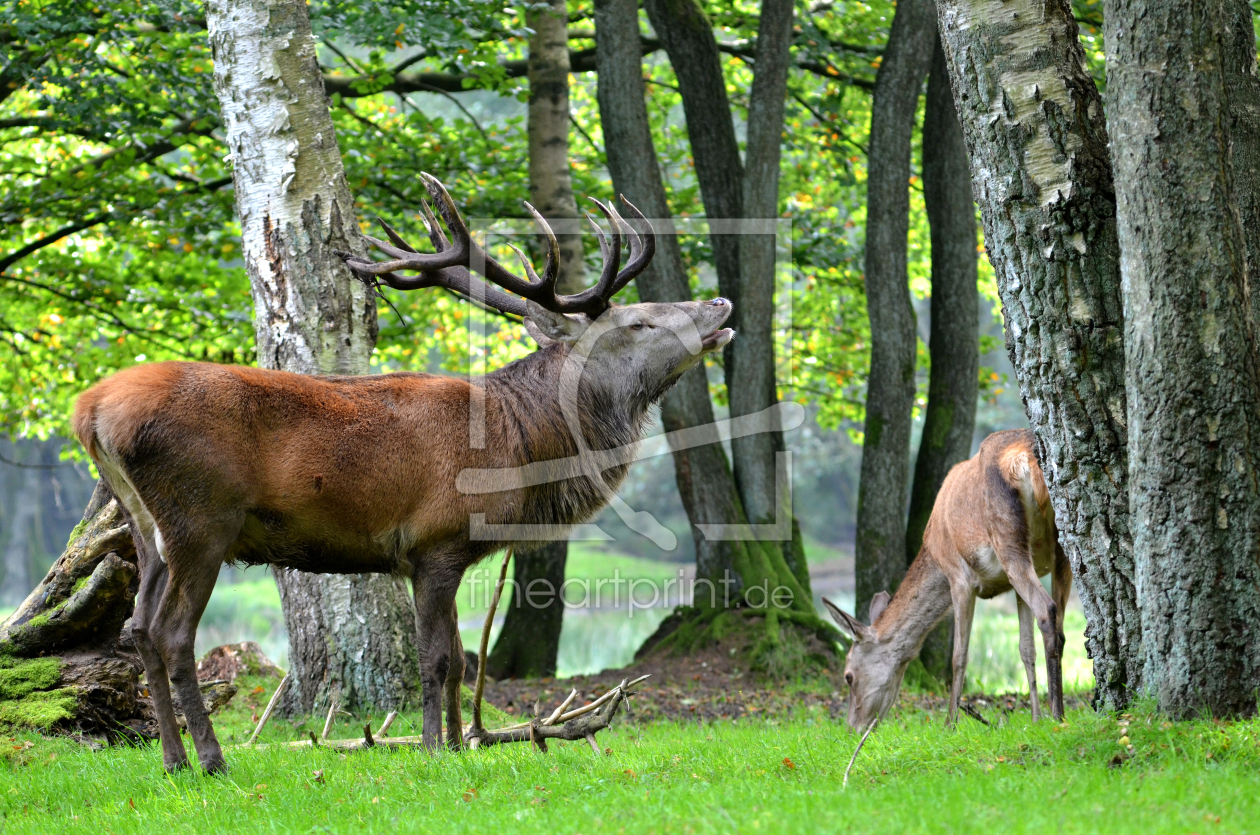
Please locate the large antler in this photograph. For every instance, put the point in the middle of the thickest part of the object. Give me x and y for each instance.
(455, 261)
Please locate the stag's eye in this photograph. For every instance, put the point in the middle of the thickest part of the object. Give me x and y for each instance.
(848, 679)
(637, 326)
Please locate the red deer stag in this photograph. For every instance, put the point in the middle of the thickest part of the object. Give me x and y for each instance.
(358, 474)
(991, 529)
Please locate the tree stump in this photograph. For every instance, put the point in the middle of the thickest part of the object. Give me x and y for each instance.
(66, 663)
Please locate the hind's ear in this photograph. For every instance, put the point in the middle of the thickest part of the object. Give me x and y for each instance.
(859, 631)
(878, 604)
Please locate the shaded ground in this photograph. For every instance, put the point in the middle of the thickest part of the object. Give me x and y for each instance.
(714, 684)
(705, 685)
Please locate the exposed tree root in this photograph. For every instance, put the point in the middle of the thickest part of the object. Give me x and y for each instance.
(65, 664)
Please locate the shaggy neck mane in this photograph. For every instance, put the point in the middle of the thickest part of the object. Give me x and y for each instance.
(523, 398)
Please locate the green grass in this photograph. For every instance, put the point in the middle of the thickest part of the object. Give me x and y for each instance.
(779, 775)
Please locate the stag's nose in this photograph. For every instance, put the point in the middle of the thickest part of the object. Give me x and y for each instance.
(719, 302)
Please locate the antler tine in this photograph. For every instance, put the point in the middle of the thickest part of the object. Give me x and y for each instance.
(394, 236)
(446, 208)
(528, 267)
(551, 271)
(612, 256)
(436, 235)
(639, 259)
(599, 233)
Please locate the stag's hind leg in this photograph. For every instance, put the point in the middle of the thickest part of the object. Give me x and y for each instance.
(153, 583)
(194, 566)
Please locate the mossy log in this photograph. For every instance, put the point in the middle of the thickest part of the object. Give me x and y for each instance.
(66, 665)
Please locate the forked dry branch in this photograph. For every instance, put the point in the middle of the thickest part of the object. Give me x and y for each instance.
(562, 724)
(580, 723)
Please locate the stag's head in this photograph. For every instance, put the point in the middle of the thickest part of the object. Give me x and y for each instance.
(638, 350)
(874, 668)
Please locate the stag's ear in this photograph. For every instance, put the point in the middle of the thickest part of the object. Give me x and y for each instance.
(859, 631)
(878, 603)
(554, 327)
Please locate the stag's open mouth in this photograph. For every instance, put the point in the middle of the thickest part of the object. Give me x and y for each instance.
(717, 339)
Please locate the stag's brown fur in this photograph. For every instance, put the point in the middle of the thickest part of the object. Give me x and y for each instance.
(992, 529)
(358, 474)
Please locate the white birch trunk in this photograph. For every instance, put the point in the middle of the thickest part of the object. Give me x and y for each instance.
(351, 637)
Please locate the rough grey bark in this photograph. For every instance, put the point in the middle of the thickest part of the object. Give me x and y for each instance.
(1238, 57)
(351, 637)
(879, 552)
(529, 641)
(1033, 122)
(954, 341)
(1192, 368)
(693, 52)
(750, 358)
(705, 482)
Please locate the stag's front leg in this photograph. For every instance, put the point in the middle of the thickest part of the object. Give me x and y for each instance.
(437, 631)
(454, 685)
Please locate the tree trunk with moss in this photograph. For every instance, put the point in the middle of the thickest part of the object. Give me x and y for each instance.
(736, 577)
(529, 642)
(66, 664)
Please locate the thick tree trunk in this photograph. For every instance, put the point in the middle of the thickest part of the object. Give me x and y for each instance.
(1033, 122)
(750, 358)
(731, 567)
(550, 186)
(1192, 371)
(703, 473)
(693, 52)
(954, 342)
(1238, 60)
(351, 637)
(529, 641)
(879, 553)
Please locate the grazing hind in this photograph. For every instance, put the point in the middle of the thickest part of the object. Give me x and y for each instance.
(992, 529)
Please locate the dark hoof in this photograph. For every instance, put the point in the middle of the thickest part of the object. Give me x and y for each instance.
(216, 766)
(175, 767)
